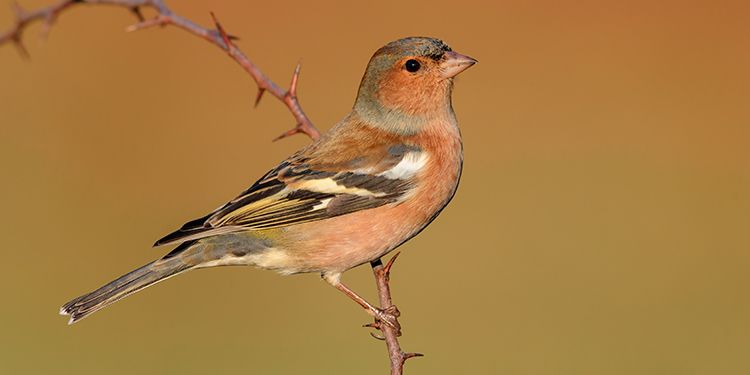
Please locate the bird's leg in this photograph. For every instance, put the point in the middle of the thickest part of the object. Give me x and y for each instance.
(388, 316)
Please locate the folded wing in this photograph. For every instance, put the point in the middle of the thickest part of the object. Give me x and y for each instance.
(301, 190)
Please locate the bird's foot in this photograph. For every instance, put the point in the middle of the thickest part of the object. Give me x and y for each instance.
(388, 316)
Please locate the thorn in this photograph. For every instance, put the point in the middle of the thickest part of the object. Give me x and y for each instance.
(18, 10)
(374, 325)
(295, 77)
(49, 21)
(137, 11)
(411, 355)
(44, 34)
(288, 133)
(159, 20)
(387, 268)
(261, 91)
(218, 33)
(377, 337)
(21, 48)
(224, 35)
(138, 26)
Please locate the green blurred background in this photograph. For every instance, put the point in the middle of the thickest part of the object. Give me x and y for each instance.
(601, 226)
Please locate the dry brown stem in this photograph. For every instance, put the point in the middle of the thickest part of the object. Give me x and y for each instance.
(390, 334)
(165, 16)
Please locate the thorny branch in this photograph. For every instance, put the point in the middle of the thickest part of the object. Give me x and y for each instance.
(165, 16)
(219, 37)
(390, 334)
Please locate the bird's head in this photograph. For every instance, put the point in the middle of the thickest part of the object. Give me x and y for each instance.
(408, 82)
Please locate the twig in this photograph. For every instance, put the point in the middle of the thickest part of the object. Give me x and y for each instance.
(165, 16)
(223, 40)
(390, 334)
(23, 18)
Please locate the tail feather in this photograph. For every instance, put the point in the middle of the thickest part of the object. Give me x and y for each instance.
(124, 286)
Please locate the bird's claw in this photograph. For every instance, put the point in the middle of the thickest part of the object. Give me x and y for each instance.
(388, 316)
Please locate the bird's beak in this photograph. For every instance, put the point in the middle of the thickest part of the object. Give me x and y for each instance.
(454, 63)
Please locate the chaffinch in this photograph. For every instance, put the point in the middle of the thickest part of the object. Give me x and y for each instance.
(372, 182)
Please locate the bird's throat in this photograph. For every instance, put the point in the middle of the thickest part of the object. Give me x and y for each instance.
(392, 120)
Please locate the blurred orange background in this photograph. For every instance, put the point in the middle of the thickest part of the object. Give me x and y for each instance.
(601, 226)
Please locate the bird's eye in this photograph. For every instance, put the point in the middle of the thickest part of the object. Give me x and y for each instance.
(412, 65)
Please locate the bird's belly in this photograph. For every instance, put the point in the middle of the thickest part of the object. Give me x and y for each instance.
(350, 240)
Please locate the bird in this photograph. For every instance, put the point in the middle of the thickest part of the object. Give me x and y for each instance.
(372, 182)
